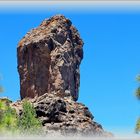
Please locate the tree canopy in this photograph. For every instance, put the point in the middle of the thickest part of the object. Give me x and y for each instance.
(137, 129)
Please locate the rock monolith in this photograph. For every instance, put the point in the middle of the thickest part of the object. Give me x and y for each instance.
(49, 57)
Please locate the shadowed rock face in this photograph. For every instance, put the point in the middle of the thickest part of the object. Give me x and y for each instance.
(48, 59)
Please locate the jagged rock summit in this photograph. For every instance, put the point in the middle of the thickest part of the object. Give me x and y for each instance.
(49, 57)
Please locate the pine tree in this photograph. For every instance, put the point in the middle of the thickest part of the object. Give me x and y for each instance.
(28, 123)
(137, 129)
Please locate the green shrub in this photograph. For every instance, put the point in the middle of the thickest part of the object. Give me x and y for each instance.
(28, 123)
(2, 109)
(137, 129)
(138, 93)
(11, 123)
(8, 118)
(3, 106)
(138, 89)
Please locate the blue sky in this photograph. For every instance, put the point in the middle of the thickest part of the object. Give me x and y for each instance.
(108, 70)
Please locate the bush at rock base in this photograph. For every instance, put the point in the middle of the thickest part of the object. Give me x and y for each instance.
(11, 123)
(8, 118)
(27, 122)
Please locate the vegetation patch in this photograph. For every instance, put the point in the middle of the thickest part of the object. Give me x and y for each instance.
(11, 123)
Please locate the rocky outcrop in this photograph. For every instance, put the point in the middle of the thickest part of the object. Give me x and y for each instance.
(63, 116)
(49, 58)
(48, 63)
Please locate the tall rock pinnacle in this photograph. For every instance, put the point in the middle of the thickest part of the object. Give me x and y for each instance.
(48, 59)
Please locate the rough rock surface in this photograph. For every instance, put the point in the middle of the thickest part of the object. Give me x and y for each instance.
(64, 117)
(49, 58)
(48, 63)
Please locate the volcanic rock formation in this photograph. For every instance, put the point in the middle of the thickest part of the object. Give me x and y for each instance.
(48, 63)
(49, 58)
(63, 116)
